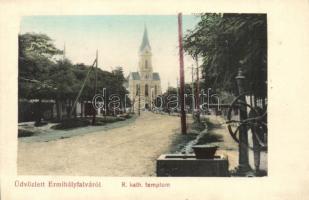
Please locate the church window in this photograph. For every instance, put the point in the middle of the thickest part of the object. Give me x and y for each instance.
(146, 64)
(146, 90)
(155, 90)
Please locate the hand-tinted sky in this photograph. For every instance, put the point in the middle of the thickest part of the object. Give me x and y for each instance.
(117, 37)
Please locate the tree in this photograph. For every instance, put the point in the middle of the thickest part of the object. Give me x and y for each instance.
(169, 98)
(33, 44)
(226, 42)
(42, 76)
(34, 62)
(36, 52)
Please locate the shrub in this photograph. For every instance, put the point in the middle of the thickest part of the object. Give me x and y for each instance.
(210, 138)
(125, 115)
(25, 133)
(40, 123)
(71, 123)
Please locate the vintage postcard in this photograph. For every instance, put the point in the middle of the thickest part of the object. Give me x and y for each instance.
(146, 102)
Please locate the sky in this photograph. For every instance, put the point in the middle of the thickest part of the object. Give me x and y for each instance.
(117, 38)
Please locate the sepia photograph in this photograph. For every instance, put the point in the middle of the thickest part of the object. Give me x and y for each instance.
(143, 95)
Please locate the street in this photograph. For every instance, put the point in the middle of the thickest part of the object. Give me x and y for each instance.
(129, 150)
(120, 149)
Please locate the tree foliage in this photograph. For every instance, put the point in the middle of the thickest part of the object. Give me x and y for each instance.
(226, 42)
(42, 76)
(33, 44)
(36, 52)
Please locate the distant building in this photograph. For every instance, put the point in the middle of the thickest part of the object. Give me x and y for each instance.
(148, 81)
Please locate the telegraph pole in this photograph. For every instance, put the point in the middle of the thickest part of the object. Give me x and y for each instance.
(95, 87)
(197, 87)
(182, 76)
(152, 99)
(193, 93)
(96, 68)
(133, 105)
(177, 88)
(139, 100)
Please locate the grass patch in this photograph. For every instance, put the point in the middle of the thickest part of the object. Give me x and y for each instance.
(71, 123)
(180, 141)
(86, 121)
(41, 123)
(210, 136)
(108, 119)
(125, 115)
(198, 126)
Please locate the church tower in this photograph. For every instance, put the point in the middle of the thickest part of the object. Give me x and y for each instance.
(145, 62)
(144, 85)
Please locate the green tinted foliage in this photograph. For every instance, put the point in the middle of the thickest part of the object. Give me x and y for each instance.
(36, 53)
(226, 42)
(42, 76)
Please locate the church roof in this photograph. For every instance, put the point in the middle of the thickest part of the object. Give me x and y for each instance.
(145, 41)
(155, 76)
(135, 76)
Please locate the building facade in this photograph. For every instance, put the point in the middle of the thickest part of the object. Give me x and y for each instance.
(144, 85)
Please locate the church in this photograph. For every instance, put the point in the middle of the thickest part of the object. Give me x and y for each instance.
(144, 84)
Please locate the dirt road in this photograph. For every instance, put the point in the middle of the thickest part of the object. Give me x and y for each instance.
(129, 150)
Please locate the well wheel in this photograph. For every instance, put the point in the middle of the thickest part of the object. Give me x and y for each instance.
(256, 122)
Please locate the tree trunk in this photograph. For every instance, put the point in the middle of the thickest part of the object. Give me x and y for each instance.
(39, 113)
(75, 110)
(82, 108)
(263, 103)
(68, 102)
(59, 110)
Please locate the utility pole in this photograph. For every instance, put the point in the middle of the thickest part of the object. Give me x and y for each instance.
(197, 88)
(177, 86)
(152, 98)
(182, 77)
(177, 90)
(96, 69)
(133, 105)
(139, 100)
(95, 87)
(192, 87)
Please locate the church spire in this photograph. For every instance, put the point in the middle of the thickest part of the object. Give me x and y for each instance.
(145, 42)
